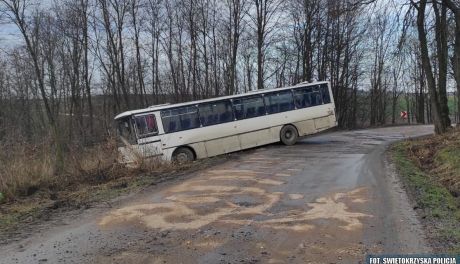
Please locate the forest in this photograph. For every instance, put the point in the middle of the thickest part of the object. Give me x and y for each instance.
(69, 66)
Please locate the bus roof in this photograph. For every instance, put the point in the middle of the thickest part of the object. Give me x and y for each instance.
(167, 106)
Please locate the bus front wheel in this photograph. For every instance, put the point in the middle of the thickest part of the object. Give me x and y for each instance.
(183, 155)
(289, 135)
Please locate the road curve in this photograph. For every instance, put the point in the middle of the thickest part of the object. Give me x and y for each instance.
(331, 198)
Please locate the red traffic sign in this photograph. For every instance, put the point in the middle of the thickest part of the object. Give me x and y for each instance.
(404, 114)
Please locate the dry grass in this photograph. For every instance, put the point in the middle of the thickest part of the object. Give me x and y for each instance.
(35, 192)
(26, 169)
(32, 189)
(439, 156)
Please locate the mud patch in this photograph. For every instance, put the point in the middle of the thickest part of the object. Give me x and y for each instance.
(248, 178)
(295, 196)
(283, 175)
(206, 243)
(238, 205)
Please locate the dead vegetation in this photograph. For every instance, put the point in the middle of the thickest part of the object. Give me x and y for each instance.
(32, 190)
(439, 156)
(26, 168)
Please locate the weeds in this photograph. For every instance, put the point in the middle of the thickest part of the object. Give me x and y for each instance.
(23, 169)
(27, 169)
(34, 191)
(439, 156)
(429, 168)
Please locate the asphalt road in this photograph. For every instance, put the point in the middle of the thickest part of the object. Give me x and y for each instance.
(331, 198)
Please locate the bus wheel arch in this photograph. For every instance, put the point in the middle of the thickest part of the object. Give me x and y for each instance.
(184, 154)
(289, 134)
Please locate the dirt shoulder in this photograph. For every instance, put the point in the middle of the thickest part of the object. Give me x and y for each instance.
(33, 213)
(429, 168)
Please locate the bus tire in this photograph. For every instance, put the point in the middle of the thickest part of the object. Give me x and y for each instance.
(289, 135)
(183, 155)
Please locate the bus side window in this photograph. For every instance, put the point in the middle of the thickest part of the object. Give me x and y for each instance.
(279, 102)
(325, 93)
(169, 124)
(180, 119)
(216, 113)
(248, 107)
(151, 124)
(255, 106)
(238, 108)
(316, 98)
(146, 125)
(188, 117)
(303, 97)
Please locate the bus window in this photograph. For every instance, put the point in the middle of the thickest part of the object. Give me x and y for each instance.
(215, 113)
(146, 125)
(279, 102)
(248, 107)
(302, 97)
(325, 93)
(316, 98)
(180, 119)
(125, 131)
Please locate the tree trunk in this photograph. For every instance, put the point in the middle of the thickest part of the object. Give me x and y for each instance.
(455, 8)
(439, 125)
(442, 56)
(84, 6)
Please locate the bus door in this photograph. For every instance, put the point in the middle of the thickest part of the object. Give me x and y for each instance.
(148, 140)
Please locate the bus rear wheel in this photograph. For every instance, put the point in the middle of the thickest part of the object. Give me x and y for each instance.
(183, 155)
(289, 135)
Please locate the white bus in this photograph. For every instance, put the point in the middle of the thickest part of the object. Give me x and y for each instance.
(199, 129)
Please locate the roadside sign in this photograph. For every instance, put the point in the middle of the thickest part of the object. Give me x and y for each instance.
(404, 114)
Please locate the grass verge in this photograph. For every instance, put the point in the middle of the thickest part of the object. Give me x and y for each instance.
(429, 170)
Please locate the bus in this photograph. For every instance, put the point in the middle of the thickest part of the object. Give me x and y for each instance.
(199, 129)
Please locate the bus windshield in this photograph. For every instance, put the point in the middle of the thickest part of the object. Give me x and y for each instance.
(125, 131)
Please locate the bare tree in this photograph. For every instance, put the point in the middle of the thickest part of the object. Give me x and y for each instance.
(440, 126)
(265, 14)
(136, 24)
(114, 14)
(15, 10)
(155, 28)
(236, 10)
